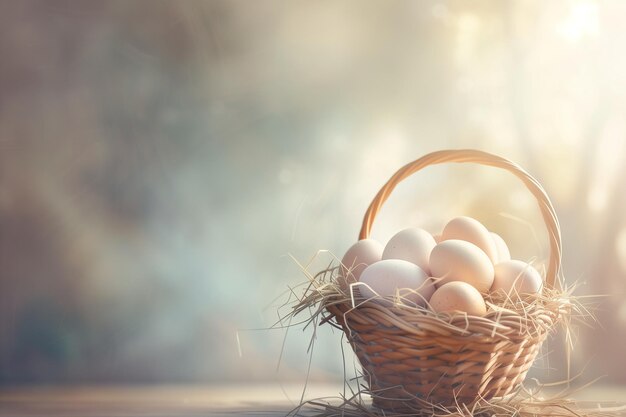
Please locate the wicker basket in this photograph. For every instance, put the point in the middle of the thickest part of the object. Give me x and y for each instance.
(411, 360)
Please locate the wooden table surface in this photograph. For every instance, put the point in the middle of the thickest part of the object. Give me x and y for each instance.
(209, 401)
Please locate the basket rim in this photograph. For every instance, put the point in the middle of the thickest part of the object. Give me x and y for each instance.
(497, 324)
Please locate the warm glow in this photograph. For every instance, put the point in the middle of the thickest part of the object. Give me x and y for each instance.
(581, 21)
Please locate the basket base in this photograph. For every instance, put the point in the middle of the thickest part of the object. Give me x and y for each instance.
(393, 387)
(413, 398)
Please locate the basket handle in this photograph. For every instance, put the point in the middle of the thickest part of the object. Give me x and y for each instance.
(482, 158)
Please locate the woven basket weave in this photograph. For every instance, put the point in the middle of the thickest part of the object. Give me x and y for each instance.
(411, 360)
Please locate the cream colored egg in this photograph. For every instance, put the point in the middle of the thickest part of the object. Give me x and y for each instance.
(458, 260)
(413, 245)
(396, 276)
(502, 249)
(473, 231)
(516, 274)
(360, 255)
(458, 296)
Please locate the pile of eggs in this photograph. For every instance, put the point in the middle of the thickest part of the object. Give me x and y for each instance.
(449, 272)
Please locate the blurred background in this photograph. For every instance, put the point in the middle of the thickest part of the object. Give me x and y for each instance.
(159, 161)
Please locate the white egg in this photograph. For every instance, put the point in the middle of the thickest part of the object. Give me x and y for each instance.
(413, 245)
(458, 260)
(502, 249)
(458, 296)
(473, 231)
(516, 274)
(360, 255)
(396, 276)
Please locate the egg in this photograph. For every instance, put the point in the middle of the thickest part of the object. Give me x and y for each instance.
(458, 260)
(473, 231)
(502, 249)
(413, 245)
(360, 255)
(391, 276)
(516, 274)
(458, 296)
